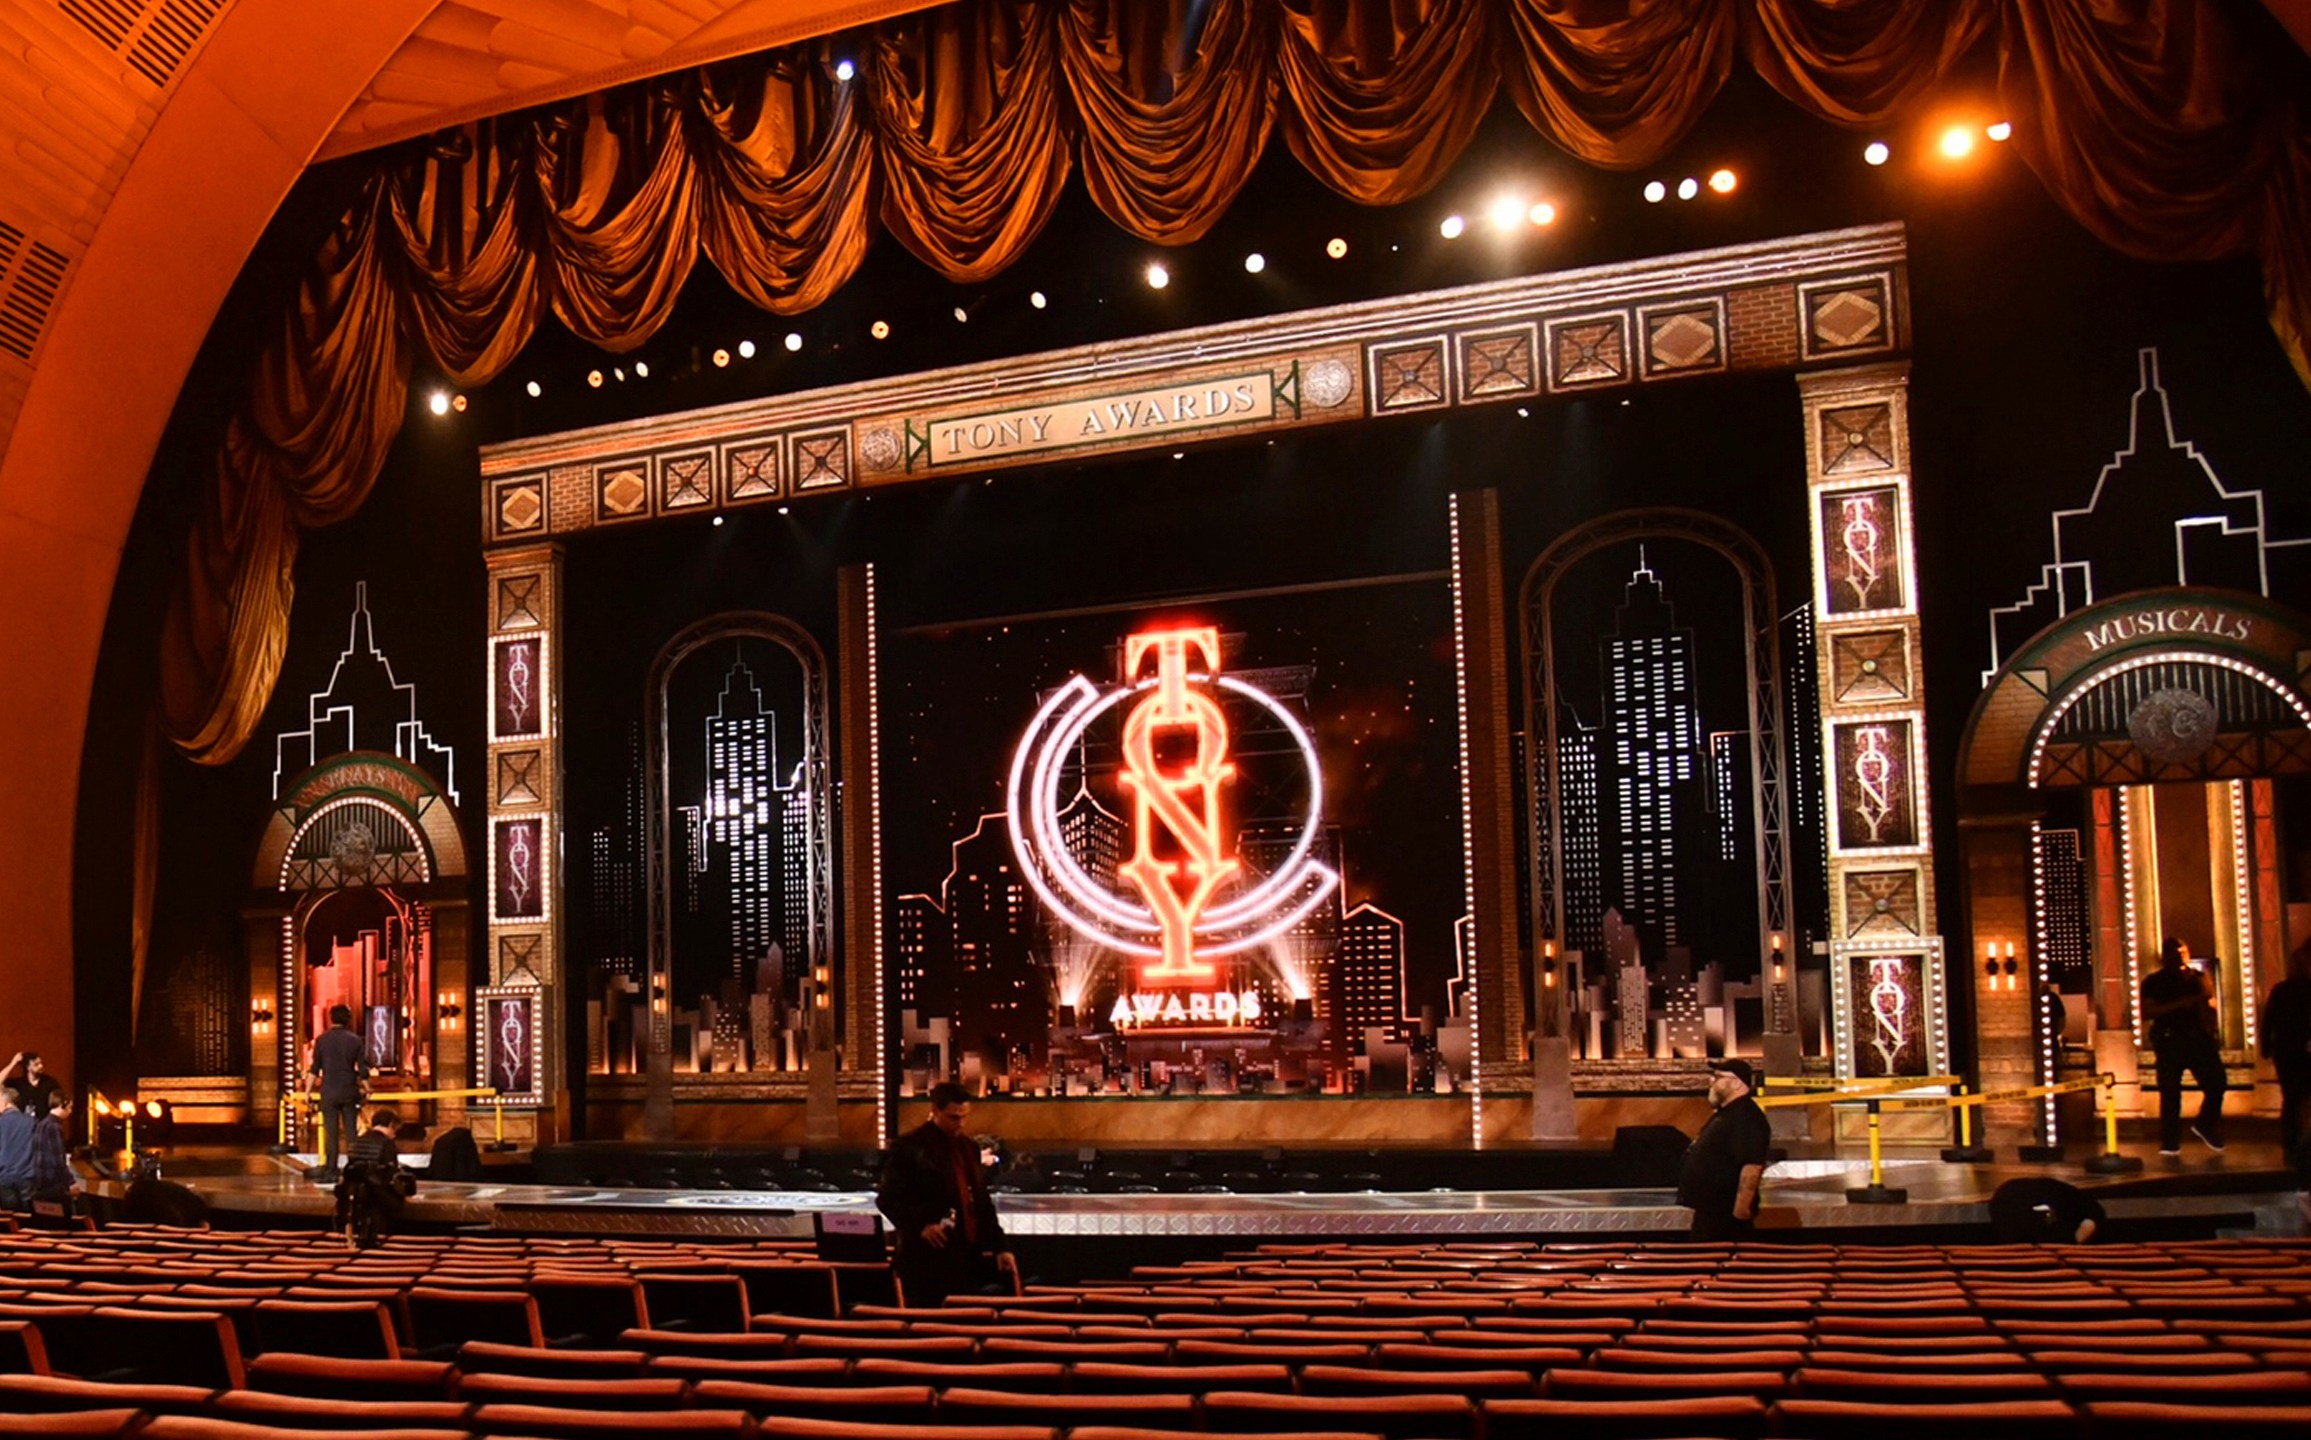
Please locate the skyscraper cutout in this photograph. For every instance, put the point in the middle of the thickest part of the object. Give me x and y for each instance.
(1653, 755)
(363, 707)
(2158, 515)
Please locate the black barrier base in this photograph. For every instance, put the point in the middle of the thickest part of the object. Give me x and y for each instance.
(2041, 1154)
(1877, 1195)
(1969, 1155)
(2112, 1164)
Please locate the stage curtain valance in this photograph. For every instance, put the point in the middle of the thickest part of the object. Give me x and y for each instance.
(2157, 124)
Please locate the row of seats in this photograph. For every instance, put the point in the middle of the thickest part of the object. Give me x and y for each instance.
(1411, 1342)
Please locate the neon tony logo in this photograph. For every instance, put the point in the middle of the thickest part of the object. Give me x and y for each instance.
(1177, 899)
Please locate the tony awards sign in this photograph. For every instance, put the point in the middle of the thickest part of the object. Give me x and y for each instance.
(1179, 899)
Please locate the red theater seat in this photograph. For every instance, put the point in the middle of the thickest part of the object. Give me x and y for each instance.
(1036, 1377)
(81, 1425)
(726, 1347)
(866, 1404)
(329, 1377)
(1104, 1378)
(588, 1309)
(1400, 1417)
(1945, 1388)
(894, 1347)
(1130, 1432)
(299, 1412)
(549, 1422)
(1733, 1417)
(2130, 1420)
(980, 1408)
(790, 1289)
(441, 1320)
(659, 1393)
(53, 1394)
(22, 1351)
(1901, 1420)
(818, 1370)
(2260, 1387)
(1571, 1384)
(196, 1427)
(711, 1303)
(1373, 1380)
(168, 1348)
(353, 1329)
(784, 1427)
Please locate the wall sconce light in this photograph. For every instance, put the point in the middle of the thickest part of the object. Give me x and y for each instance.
(445, 1007)
(821, 999)
(1778, 965)
(1549, 963)
(820, 975)
(657, 995)
(261, 1016)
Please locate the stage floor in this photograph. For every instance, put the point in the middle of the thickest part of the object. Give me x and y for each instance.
(2245, 1187)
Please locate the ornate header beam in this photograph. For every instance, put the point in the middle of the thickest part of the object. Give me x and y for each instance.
(1832, 297)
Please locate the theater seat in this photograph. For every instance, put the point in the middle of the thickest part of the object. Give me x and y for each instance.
(1912, 1388)
(1901, 1420)
(549, 1422)
(1400, 1417)
(81, 1425)
(661, 1393)
(198, 1427)
(484, 1357)
(1105, 1378)
(782, 1427)
(300, 1412)
(1575, 1384)
(1378, 1380)
(22, 1351)
(53, 1394)
(865, 1404)
(351, 1329)
(2130, 1420)
(2258, 1387)
(442, 1319)
(330, 1378)
(980, 1408)
(1731, 1417)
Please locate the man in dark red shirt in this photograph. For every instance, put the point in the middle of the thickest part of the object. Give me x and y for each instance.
(934, 1192)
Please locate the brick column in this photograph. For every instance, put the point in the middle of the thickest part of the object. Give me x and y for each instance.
(1481, 596)
(522, 842)
(1872, 693)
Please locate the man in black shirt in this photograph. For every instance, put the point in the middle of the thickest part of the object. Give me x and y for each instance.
(35, 1089)
(1727, 1159)
(935, 1194)
(2180, 1010)
(339, 1067)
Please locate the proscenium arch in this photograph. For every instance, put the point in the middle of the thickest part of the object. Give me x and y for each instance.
(1761, 652)
(2049, 673)
(817, 774)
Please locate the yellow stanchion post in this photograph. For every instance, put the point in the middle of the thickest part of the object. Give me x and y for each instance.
(2110, 1162)
(1966, 1152)
(1877, 1192)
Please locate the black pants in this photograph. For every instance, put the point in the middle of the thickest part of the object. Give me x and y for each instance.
(2203, 1061)
(931, 1274)
(1719, 1226)
(339, 1118)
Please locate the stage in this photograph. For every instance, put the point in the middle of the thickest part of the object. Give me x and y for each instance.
(2243, 1189)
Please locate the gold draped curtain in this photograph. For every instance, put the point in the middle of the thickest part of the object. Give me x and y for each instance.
(2156, 124)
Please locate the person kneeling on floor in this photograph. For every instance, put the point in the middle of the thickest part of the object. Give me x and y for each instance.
(374, 1187)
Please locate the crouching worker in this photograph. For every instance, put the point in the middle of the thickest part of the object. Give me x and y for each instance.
(374, 1187)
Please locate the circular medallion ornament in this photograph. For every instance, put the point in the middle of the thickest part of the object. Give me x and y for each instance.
(879, 449)
(2172, 726)
(1328, 383)
(354, 850)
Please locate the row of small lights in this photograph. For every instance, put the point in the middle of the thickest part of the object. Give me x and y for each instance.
(1506, 213)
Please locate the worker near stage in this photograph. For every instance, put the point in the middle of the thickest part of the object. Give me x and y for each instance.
(934, 1192)
(2179, 1007)
(340, 1068)
(1726, 1162)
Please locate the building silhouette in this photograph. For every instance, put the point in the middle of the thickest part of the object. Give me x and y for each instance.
(363, 707)
(614, 881)
(1371, 971)
(749, 812)
(1652, 761)
(919, 949)
(1581, 824)
(1001, 997)
(1312, 945)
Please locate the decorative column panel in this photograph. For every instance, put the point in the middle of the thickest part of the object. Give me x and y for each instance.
(523, 950)
(1481, 596)
(858, 677)
(1871, 681)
